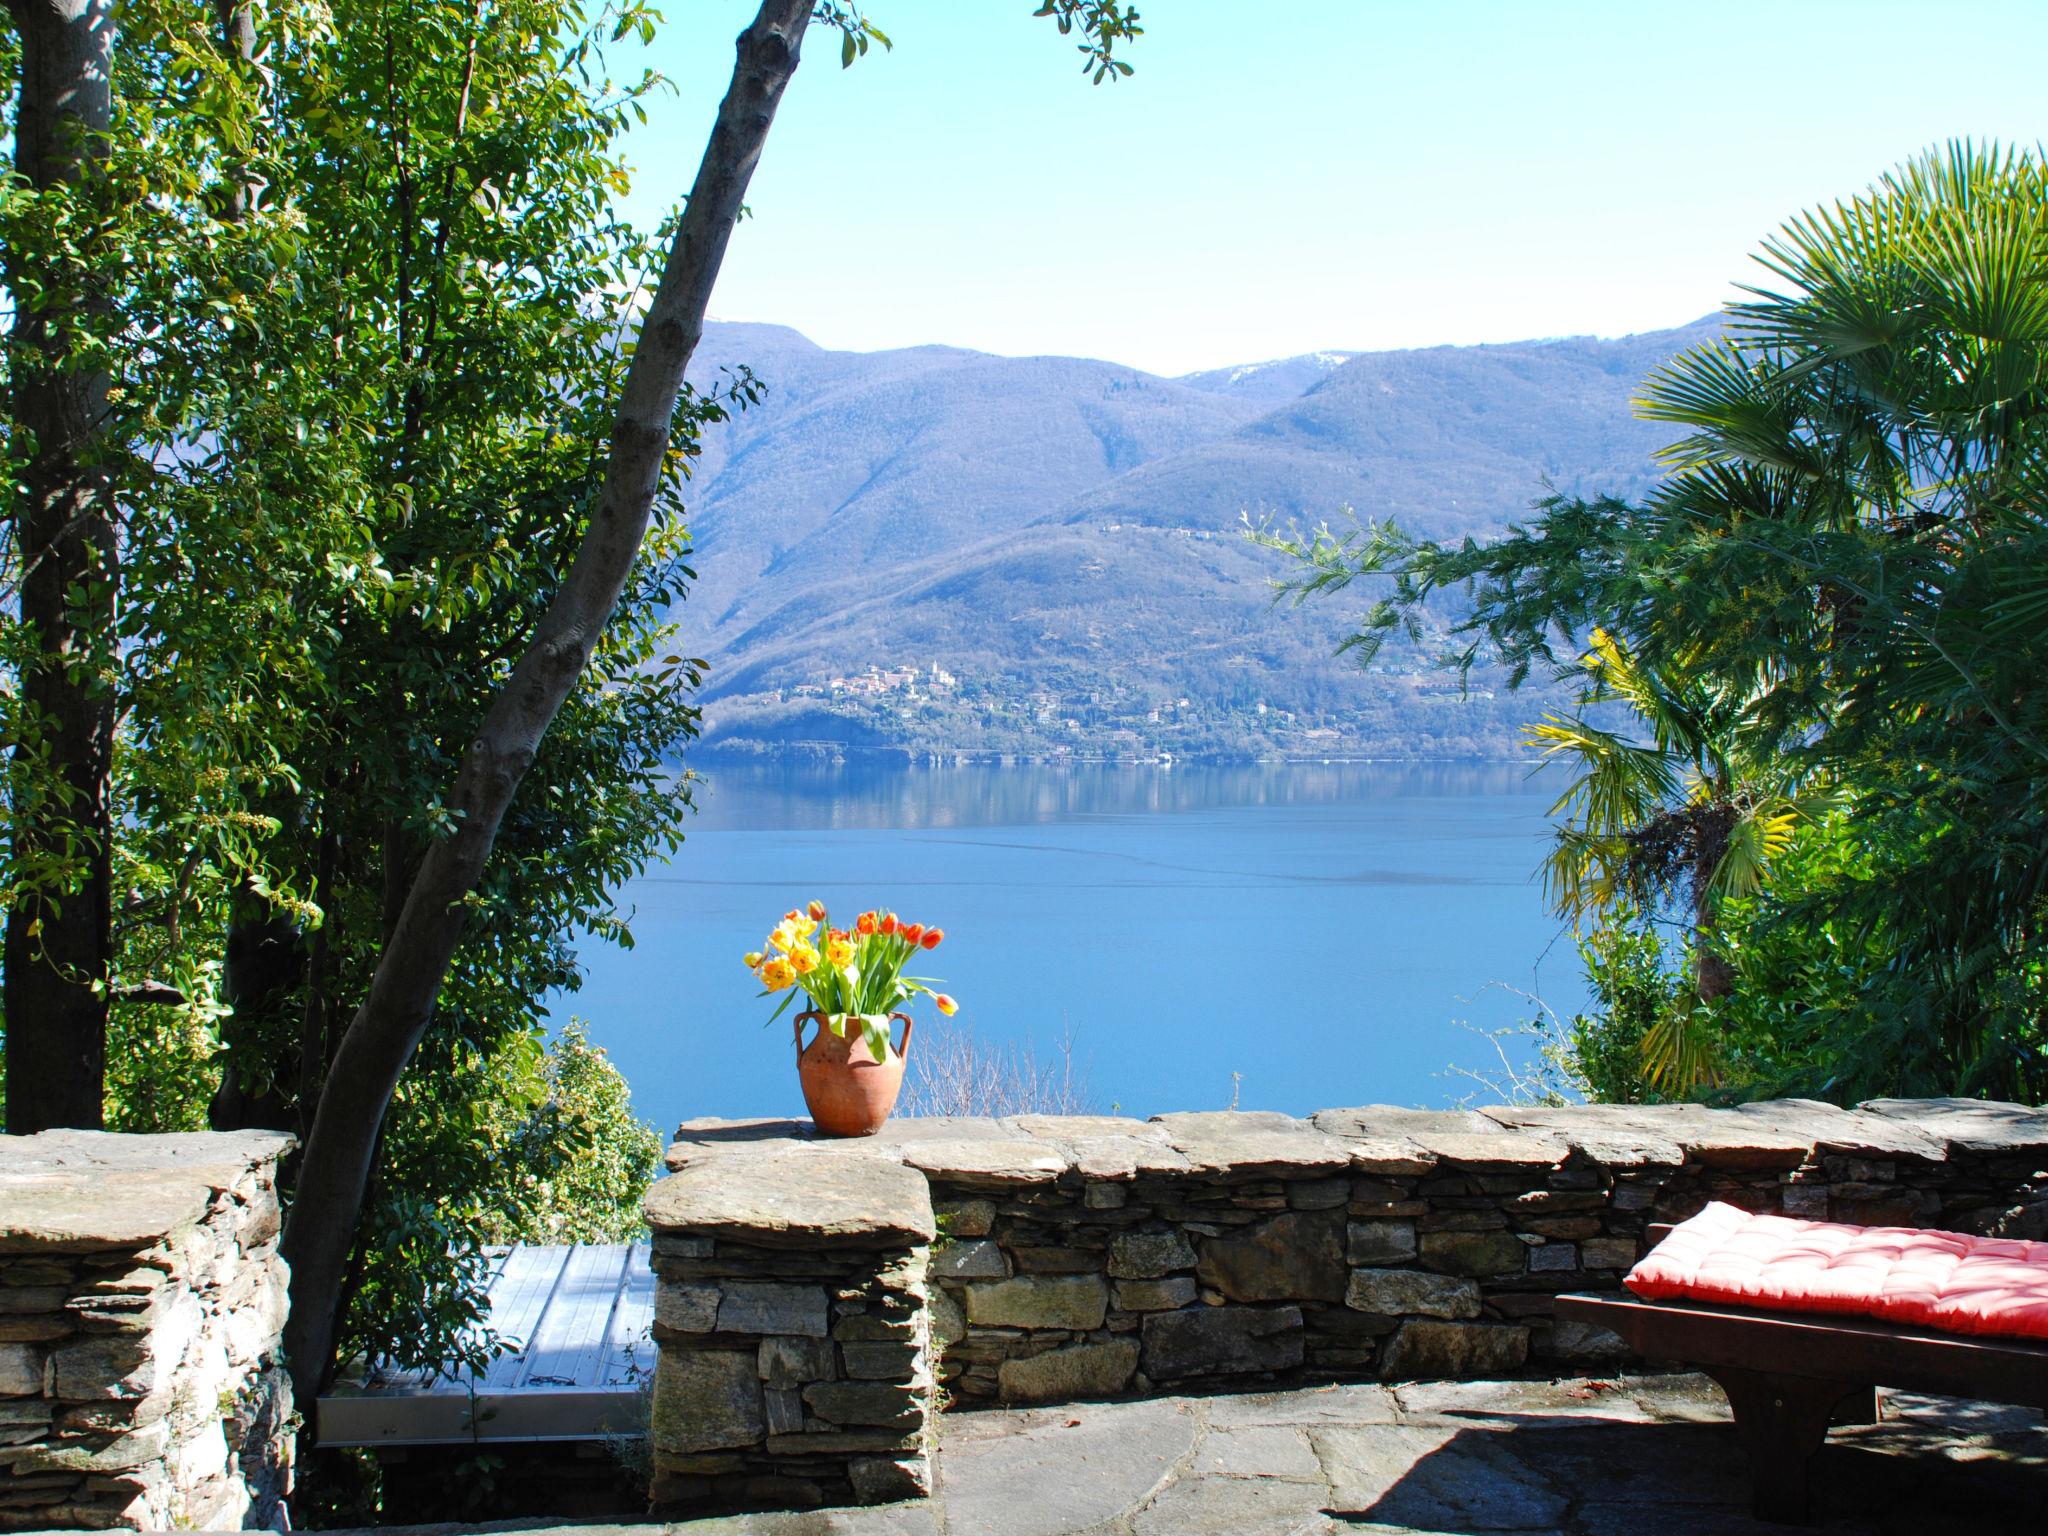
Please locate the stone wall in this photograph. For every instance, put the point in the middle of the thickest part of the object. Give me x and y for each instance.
(1086, 1257)
(141, 1302)
(793, 1322)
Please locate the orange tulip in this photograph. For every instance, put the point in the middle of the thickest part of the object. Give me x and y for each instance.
(913, 932)
(931, 938)
(888, 924)
(817, 910)
(946, 1005)
(865, 923)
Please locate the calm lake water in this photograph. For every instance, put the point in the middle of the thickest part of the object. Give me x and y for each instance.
(1322, 931)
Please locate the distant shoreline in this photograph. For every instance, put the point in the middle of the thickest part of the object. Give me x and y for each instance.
(831, 753)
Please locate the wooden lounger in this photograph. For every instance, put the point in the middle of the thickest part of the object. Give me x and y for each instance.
(1788, 1374)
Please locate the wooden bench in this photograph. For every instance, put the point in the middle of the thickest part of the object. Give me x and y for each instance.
(1789, 1375)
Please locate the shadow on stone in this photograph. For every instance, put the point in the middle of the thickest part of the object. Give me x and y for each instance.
(1650, 1478)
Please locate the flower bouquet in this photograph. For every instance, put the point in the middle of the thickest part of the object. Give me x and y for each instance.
(855, 983)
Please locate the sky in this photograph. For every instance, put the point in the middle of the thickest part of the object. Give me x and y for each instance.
(1279, 177)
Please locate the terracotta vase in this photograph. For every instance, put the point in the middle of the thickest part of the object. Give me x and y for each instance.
(848, 1092)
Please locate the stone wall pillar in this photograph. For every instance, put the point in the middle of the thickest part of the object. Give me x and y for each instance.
(141, 1303)
(793, 1322)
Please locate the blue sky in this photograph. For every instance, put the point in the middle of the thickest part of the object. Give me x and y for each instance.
(1279, 177)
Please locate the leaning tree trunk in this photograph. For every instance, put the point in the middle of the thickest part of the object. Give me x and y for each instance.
(415, 960)
(59, 930)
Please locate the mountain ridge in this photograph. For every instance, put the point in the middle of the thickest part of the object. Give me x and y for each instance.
(940, 551)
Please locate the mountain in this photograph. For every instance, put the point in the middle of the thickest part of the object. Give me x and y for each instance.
(938, 550)
(1284, 378)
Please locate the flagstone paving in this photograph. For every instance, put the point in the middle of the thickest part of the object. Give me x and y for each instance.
(1637, 1456)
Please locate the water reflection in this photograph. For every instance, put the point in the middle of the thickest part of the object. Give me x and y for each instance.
(856, 796)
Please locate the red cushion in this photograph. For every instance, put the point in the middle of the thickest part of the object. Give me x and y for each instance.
(1945, 1280)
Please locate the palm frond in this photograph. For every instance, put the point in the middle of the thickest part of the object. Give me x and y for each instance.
(1682, 1052)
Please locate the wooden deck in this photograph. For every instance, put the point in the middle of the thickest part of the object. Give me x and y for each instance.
(578, 1319)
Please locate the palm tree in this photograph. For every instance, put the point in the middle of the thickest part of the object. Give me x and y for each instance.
(1697, 811)
(1842, 579)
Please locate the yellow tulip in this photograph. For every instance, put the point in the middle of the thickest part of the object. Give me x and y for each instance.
(777, 974)
(839, 952)
(753, 960)
(804, 959)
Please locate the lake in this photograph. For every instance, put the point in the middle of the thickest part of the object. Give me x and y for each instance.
(1294, 936)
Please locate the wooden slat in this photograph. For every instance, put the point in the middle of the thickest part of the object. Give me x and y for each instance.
(568, 1344)
(444, 1419)
(1826, 1348)
(582, 1315)
(628, 1339)
(518, 1302)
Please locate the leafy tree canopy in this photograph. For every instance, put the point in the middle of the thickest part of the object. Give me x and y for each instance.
(1849, 558)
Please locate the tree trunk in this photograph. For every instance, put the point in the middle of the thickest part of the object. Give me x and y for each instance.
(1713, 977)
(264, 967)
(414, 963)
(59, 925)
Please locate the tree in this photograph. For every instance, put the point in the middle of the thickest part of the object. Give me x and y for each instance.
(338, 535)
(1697, 813)
(67, 572)
(1852, 538)
(421, 938)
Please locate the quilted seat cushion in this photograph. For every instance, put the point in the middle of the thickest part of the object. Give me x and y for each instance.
(1944, 1280)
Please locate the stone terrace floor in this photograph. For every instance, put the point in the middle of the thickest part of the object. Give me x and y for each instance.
(1637, 1456)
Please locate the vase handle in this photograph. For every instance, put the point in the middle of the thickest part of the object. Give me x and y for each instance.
(797, 1024)
(903, 1050)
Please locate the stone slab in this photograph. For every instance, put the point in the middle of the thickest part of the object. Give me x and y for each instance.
(1613, 1135)
(1252, 1141)
(90, 1191)
(706, 1400)
(1441, 1135)
(1064, 1472)
(1404, 1292)
(791, 1195)
(986, 1162)
(1221, 1341)
(1429, 1349)
(695, 1138)
(1236, 1506)
(1106, 1147)
(1076, 1303)
(1074, 1374)
(1855, 1133)
(1295, 1256)
(1980, 1127)
(1433, 1478)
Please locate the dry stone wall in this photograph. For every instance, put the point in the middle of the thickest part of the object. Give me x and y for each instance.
(1086, 1257)
(792, 1317)
(141, 1303)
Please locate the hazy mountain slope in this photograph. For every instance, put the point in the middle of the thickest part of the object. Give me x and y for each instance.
(853, 461)
(1062, 539)
(1448, 440)
(1284, 378)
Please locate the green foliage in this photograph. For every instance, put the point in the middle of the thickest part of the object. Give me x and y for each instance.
(1633, 990)
(369, 411)
(1852, 541)
(364, 300)
(575, 1164)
